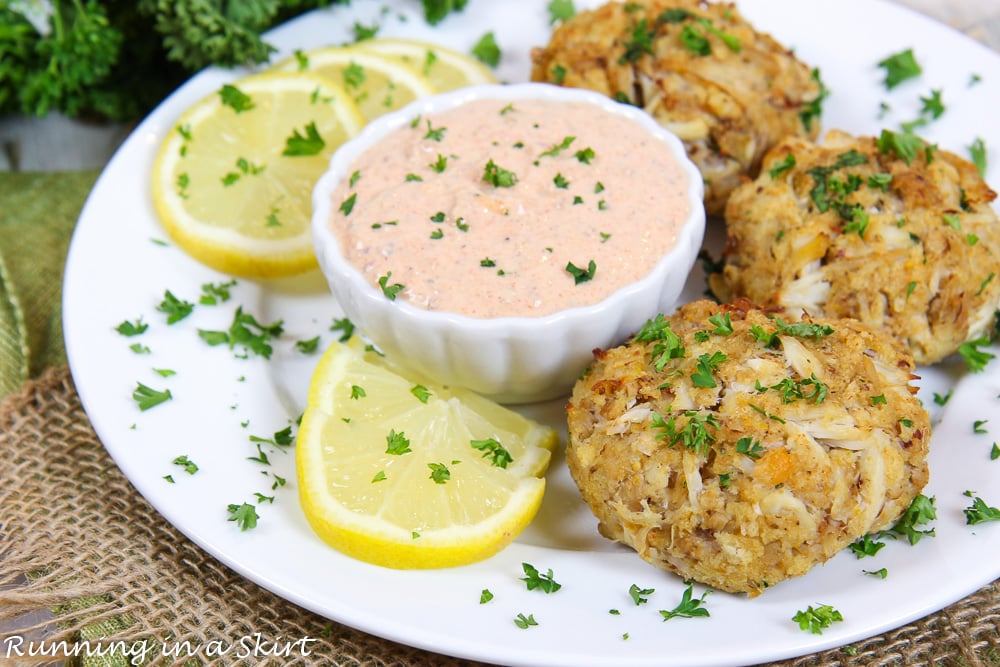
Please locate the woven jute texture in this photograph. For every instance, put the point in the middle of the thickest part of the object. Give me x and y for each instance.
(83, 556)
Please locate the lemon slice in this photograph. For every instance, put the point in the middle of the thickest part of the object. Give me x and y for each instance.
(408, 475)
(377, 84)
(233, 179)
(445, 68)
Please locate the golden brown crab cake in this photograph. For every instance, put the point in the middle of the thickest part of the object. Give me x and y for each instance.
(737, 449)
(728, 91)
(887, 230)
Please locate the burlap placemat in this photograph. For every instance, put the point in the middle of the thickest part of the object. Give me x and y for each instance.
(83, 556)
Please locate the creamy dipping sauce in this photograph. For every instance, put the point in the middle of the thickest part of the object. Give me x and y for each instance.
(511, 209)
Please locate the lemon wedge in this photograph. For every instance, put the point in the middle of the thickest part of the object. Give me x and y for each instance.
(377, 84)
(233, 179)
(408, 475)
(445, 69)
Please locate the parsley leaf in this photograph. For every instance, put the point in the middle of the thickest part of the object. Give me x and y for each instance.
(390, 291)
(581, 275)
(486, 50)
(189, 466)
(493, 450)
(535, 580)
(345, 326)
(439, 472)
(975, 359)
(247, 332)
(921, 511)
(689, 606)
(866, 546)
(127, 328)
(980, 512)
(244, 515)
(147, 397)
(397, 443)
(818, 619)
(175, 309)
(899, 67)
(560, 10)
(977, 151)
(304, 145)
(497, 176)
(706, 366)
(236, 99)
(668, 344)
(638, 595)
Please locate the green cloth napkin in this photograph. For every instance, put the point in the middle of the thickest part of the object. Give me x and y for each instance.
(38, 212)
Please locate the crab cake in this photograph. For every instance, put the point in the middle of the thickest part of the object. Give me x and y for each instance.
(890, 231)
(699, 68)
(736, 448)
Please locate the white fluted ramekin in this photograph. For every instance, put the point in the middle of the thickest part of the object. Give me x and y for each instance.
(509, 359)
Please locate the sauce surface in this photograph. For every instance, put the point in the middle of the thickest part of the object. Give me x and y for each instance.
(510, 209)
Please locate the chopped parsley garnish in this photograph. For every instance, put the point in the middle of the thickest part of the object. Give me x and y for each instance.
(639, 43)
(581, 275)
(127, 328)
(147, 397)
(535, 580)
(899, 67)
(440, 164)
(585, 155)
(175, 309)
(560, 181)
(558, 148)
(439, 472)
(493, 450)
(695, 41)
(866, 546)
(390, 291)
(139, 348)
(421, 392)
(560, 10)
(668, 344)
(638, 595)
(307, 346)
(397, 444)
(706, 367)
(437, 234)
(236, 99)
(975, 359)
(357, 392)
(977, 152)
(215, 293)
(345, 326)
(694, 434)
(920, 512)
(299, 145)
(781, 167)
(485, 596)
(980, 512)
(379, 477)
(245, 515)
(347, 205)
(246, 332)
(558, 73)
(814, 109)
(689, 606)
(524, 622)
(796, 329)
(977, 426)
(497, 176)
(818, 619)
(904, 145)
(486, 50)
(750, 447)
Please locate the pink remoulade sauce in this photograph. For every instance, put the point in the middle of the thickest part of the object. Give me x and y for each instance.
(510, 209)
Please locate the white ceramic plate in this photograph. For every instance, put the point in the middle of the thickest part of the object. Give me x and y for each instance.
(116, 271)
